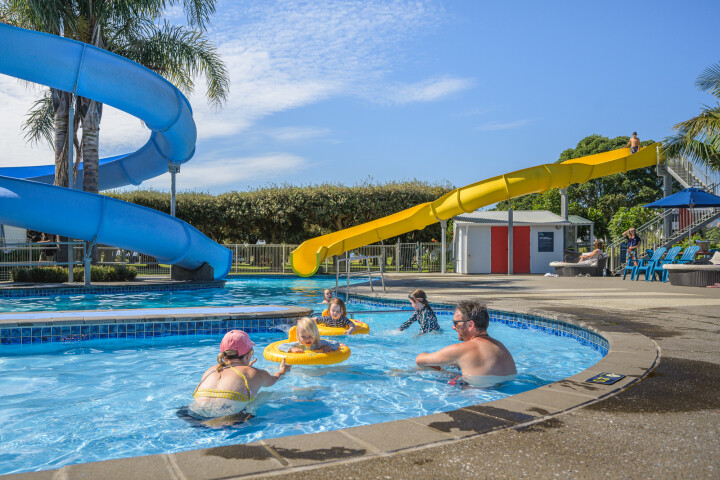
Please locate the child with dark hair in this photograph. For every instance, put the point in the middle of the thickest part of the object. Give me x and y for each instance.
(337, 316)
(423, 313)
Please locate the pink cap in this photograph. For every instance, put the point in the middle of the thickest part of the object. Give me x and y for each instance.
(236, 340)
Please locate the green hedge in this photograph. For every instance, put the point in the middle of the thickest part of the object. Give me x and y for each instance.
(292, 214)
(59, 274)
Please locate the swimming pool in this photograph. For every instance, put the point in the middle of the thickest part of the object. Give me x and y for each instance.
(110, 399)
(241, 291)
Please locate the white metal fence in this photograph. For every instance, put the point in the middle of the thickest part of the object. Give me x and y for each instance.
(247, 259)
(399, 257)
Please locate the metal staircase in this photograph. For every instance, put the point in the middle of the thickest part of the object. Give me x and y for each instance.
(688, 174)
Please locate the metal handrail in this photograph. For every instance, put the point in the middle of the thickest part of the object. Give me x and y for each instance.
(348, 260)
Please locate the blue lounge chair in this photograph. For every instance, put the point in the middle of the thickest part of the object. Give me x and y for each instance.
(669, 258)
(646, 265)
(688, 255)
(631, 265)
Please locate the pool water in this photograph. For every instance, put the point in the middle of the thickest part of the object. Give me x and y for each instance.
(65, 403)
(304, 292)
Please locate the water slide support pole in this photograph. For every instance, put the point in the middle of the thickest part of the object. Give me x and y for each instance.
(443, 226)
(71, 182)
(174, 169)
(397, 256)
(667, 191)
(564, 214)
(87, 257)
(510, 240)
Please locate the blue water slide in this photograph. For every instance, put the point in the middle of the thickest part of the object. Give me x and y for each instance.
(27, 198)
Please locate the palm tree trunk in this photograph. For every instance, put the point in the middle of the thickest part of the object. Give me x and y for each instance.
(91, 113)
(61, 107)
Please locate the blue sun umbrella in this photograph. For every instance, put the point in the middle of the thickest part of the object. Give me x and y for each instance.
(688, 198)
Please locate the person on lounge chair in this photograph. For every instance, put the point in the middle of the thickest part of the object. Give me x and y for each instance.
(594, 255)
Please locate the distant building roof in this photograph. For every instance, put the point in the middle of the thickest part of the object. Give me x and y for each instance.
(527, 217)
(578, 220)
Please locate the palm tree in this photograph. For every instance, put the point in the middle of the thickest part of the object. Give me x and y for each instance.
(129, 28)
(699, 137)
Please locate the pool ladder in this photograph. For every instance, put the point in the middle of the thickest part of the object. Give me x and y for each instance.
(367, 272)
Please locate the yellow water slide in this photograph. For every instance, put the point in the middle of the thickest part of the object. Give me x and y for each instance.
(306, 259)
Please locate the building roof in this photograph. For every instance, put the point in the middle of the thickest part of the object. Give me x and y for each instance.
(526, 217)
(578, 220)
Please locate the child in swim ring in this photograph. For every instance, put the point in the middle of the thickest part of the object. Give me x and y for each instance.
(337, 317)
(309, 339)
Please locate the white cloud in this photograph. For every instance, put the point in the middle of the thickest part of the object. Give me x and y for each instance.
(287, 54)
(16, 98)
(120, 132)
(427, 91)
(231, 171)
(296, 134)
(494, 126)
(281, 54)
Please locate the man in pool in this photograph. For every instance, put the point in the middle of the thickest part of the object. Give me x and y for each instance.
(483, 360)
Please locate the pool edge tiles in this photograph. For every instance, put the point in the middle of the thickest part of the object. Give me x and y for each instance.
(78, 326)
(586, 335)
(51, 290)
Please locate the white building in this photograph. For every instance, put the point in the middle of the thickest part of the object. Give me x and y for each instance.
(481, 241)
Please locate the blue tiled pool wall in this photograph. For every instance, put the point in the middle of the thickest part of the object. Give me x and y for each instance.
(19, 335)
(512, 319)
(21, 292)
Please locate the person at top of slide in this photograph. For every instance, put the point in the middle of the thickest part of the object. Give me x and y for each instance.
(633, 143)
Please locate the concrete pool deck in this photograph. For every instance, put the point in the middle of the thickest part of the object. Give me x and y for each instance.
(665, 425)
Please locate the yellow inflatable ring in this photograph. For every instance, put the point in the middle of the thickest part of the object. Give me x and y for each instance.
(360, 327)
(308, 357)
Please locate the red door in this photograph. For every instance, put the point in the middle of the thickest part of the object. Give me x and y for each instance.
(499, 249)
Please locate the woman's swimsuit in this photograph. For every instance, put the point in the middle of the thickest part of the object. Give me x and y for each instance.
(226, 394)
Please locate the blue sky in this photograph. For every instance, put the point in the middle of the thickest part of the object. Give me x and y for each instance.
(441, 91)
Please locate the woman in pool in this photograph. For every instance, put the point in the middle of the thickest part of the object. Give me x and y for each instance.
(423, 313)
(337, 316)
(308, 339)
(233, 384)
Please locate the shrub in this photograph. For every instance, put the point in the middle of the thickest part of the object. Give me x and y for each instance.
(59, 274)
(293, 214)
(39, 274)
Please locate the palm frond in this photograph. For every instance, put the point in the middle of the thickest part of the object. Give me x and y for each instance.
(39, 124)
(704, 126)
(709, 80)
(705, 153)
(51, 16)
(180, 55)
(198, 12)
